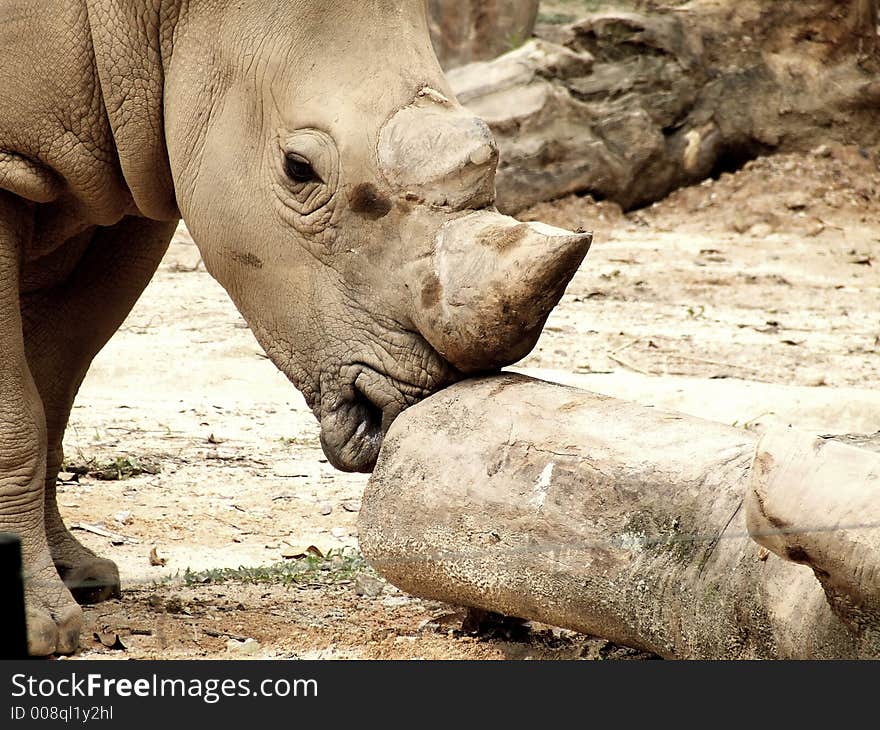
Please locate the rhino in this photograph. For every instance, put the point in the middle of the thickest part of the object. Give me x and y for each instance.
(333, 184)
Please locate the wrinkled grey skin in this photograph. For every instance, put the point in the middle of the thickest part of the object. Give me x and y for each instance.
(334, 187)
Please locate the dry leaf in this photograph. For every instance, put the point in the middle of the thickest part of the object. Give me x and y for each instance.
(295, 553)
(110, 640)
(155, 559)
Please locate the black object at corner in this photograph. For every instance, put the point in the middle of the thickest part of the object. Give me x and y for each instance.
(13, 644)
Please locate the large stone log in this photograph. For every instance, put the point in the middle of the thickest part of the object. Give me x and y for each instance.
(551, 503)
(630, 106)
(816, 501)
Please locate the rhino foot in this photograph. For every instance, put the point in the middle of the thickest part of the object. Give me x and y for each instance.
(90, 579)
(54, 620)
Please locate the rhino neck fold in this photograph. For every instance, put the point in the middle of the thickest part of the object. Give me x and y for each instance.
(132, 46)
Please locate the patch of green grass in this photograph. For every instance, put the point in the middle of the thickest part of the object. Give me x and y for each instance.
(299, 441)
(122, 467)
(337, 566)
(515, 40)
(587, 6)
(560, 12)
(555, 18)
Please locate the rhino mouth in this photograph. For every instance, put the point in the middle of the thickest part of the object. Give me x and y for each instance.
(358, 415)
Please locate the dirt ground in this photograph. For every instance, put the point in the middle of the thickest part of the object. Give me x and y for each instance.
(743, 299)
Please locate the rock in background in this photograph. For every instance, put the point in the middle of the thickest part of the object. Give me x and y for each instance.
(476, 30)
(630, 106)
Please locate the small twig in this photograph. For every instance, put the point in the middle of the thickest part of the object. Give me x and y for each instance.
(747, 424)
(626, 346)
(98, 530)
(227, 523)
(224, 634)
(717, 363)
(184, 269)
(627, 364)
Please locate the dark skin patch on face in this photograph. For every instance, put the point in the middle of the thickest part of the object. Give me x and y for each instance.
(502, 238)
(797, 554)
(366, 200)
(431, 292)
(247, 259)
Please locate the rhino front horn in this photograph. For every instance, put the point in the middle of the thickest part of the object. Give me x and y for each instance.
(494, 280)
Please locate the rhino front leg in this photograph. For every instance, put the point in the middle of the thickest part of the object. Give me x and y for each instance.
(54, 618)
(65, 327)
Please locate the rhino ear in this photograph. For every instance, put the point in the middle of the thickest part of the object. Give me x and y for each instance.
(492, 287)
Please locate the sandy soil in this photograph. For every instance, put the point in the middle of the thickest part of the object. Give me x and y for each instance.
(744, 299)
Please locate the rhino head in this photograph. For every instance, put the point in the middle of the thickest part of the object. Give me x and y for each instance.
(345, 200)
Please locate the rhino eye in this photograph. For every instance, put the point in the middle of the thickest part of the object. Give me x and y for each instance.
(299, 169)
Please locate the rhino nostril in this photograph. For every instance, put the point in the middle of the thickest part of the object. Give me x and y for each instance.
(372, 413)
